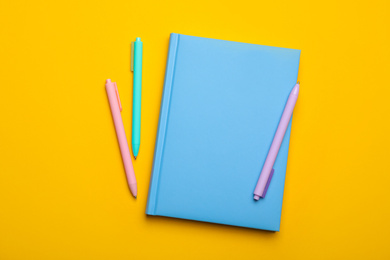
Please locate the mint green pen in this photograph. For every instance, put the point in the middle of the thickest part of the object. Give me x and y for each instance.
(136, 67)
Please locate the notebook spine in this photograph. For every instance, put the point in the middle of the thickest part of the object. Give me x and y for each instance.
(162, 124)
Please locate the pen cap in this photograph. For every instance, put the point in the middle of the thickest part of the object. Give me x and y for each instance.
(257, 196)
(136, 54)
(268, 182)
(113, 85)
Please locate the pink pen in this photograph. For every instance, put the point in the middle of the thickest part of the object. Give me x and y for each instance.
(116, 108)
(267, 171)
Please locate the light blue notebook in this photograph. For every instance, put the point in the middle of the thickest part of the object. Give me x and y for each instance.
(221, 105)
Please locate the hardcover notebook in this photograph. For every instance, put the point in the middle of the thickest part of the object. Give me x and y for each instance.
(220, 109)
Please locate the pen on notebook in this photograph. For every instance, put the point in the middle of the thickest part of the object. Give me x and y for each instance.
(267, 171)
(136, 67)
(116, 108)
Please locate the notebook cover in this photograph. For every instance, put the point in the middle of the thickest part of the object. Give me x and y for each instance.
(221, 104)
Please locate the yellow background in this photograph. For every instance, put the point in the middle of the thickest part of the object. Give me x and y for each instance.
(63, 192)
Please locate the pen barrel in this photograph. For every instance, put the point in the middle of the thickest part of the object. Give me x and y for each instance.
(137, 89)
(277, 141)
(121, 135)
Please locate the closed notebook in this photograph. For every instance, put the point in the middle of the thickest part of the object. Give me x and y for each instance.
(220, 109)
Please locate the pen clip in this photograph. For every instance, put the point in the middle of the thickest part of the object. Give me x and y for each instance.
(268, 182)
(117, 97)
(132, 57)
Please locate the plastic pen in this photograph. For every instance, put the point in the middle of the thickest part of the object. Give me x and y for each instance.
(136, 67)
(267, 171)
(116, 108)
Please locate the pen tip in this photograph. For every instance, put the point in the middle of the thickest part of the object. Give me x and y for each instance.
(298, 82)
(135, 157)
(135, 196)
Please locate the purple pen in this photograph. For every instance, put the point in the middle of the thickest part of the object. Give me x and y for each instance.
(267, 171)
